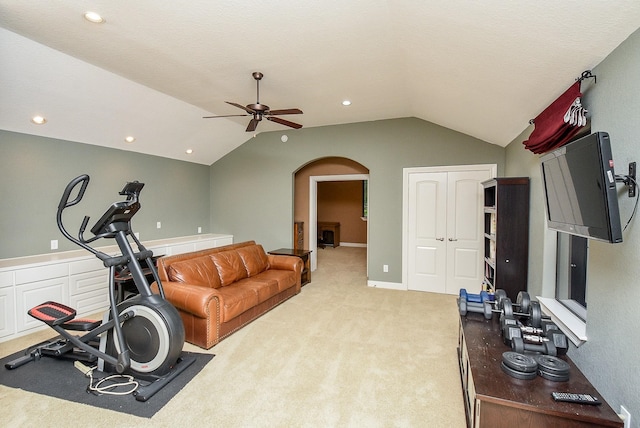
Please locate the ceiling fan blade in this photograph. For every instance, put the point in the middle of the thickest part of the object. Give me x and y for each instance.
(228, 115)
(284, 122)
(285, 111)
(248, 110)
(253, 124)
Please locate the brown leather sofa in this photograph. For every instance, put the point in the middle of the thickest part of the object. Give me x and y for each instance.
(219, 290)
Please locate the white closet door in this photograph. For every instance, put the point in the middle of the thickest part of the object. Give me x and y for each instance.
(427, 231)
(465, 231)
(444, 230)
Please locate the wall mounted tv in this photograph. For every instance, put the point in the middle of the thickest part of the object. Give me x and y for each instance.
(579, 187)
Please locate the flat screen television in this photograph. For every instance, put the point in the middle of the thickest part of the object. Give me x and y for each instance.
(580, 189)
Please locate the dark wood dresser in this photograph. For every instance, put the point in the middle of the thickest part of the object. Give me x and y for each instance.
(494, 399)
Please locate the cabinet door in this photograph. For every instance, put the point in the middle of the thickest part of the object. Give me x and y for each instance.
(35, 293)
(7, 311)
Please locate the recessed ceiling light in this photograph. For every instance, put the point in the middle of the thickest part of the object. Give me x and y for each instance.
(189, 151)
(346, 103)
(38, 120)
(94, 17)
(129, 139)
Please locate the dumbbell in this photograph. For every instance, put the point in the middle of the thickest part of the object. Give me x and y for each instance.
(523, 303)
(549, 332)
(468, 302)
(532, 343)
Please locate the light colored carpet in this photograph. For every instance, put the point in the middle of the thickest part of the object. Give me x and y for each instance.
(339, 354)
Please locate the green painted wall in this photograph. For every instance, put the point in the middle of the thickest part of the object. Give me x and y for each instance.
(252, 187)
(35, 170)
(610, 355)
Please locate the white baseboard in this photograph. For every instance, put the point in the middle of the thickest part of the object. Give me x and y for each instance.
(353, 244)
(387, 285)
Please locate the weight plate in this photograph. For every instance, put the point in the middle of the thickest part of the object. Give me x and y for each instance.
(499, 296)
(535, 315)
(516, 374)
(519, 362)
(554, 377)
(551, 364)
(507, 308)
(523, 301)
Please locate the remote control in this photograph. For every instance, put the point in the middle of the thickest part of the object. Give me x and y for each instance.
(576, 398)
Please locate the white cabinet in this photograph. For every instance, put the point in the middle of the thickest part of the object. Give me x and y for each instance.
(74, 278)
(88, 286)
(7, 304)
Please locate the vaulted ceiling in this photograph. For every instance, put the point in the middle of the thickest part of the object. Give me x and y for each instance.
(154, 68)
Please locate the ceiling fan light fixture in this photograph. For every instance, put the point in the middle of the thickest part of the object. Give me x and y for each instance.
(94, 17)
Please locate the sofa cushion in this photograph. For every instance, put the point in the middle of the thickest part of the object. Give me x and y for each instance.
(284, 278)
(230, 267)
(254, 258)
(235, 300)
(263, 287)
(198, 271)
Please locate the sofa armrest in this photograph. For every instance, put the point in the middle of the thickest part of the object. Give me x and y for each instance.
(190, 298)
(286, 263)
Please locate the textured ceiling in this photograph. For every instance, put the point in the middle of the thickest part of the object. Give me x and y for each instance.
(155, 68)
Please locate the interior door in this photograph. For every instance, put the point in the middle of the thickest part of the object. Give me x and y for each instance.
(464, 231)
(444, 230)
(427, 231)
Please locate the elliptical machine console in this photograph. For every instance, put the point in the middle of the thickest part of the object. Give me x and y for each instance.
(146, 340)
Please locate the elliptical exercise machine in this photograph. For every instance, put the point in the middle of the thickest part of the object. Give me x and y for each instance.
(147, 339)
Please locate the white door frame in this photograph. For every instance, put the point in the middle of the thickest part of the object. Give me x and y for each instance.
(493, 168)
(313, 209)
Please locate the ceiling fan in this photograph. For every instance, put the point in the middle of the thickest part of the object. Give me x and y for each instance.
(258, 111)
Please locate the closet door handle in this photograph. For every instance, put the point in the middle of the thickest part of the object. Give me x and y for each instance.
(452, 239)
(439, 239)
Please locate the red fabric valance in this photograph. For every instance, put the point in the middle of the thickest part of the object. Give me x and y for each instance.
(554, 126)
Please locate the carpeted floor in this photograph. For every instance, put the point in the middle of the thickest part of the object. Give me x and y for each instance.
(340, 354)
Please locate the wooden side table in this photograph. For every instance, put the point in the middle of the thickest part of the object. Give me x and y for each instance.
(304, 255)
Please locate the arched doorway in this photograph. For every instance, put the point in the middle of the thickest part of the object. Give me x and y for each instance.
(323, 171)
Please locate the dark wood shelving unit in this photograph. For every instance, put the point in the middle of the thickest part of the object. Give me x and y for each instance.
(506, 234)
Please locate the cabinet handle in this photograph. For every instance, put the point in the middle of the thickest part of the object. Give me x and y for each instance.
(452, 239)
(439, 239)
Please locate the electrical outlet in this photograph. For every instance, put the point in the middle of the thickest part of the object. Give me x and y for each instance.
(199, 229)
(158, 225)
(54, 244)
(385, 268)
(626, 416)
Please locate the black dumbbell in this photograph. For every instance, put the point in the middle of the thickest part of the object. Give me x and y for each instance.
(549, 332)
(532, 343)
(523, 304)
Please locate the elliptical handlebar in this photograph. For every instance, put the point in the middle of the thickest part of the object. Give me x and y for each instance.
(65, 203)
